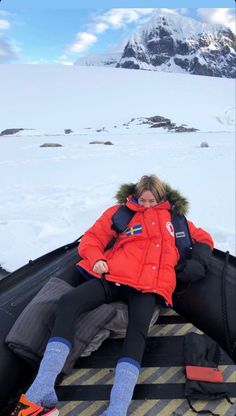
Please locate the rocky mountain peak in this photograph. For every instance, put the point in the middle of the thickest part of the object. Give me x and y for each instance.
(175, 43)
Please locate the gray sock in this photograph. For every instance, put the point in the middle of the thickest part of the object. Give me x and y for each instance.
(126, 376)
(42, 390)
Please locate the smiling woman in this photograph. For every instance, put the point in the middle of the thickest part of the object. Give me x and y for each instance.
(138, 269)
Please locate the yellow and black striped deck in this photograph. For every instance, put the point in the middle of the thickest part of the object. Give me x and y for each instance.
(158, 376)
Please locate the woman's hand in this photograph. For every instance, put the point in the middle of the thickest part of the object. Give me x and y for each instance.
(100, 267)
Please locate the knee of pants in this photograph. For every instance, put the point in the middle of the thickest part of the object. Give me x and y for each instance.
(64, 299)
(65, 304)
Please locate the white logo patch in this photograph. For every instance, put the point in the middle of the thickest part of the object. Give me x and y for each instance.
(170, 228)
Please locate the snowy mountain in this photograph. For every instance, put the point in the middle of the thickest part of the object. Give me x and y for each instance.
(103, 59)
(174, 43)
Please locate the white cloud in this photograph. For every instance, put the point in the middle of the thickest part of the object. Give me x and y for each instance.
(101, 27)
(9, 48)
(67, 63)
(8, 51)
(64, 60)
(183, 10)
(117, 18)
(41, 61)
(82, 42)
(175, 11)
(4, 24)
(171, 11)
(222, 16)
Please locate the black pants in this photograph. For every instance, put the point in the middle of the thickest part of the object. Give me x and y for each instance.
(95, 292)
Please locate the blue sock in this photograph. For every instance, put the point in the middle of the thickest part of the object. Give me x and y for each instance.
(126, 376)
(42, 390)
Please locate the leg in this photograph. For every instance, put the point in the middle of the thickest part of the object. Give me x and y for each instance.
(85, 297)
(141, 307)
(81, 299)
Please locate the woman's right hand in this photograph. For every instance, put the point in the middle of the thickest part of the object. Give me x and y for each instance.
(100, 267)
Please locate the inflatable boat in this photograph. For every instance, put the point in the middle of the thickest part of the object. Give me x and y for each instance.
(209, 304)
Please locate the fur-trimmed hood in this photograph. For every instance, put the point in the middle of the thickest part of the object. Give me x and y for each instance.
(178, 202)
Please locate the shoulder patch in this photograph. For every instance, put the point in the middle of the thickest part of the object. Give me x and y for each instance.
(170, 228)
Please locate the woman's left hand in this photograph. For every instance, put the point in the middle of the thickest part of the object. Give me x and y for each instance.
(100, 267)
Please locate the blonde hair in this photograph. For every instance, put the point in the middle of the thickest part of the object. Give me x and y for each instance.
(153, 184)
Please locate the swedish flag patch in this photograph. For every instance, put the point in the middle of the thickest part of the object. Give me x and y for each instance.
(136, 229)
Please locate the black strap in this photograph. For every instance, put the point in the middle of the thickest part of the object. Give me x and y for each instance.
(152, 391)
(121, 218)
(106, 287)
(229, 400)
(111, 243)
(183, 239)
(201, 412)
(168, 391)
(120, 221)
(224, 305)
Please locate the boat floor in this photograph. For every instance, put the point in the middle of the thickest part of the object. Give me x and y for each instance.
(160, 389)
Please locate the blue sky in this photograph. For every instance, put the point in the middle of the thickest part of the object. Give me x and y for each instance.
(48, 33)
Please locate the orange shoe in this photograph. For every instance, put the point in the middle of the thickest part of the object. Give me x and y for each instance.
(26, 408)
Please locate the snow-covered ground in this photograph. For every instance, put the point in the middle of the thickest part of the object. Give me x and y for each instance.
(49, 196)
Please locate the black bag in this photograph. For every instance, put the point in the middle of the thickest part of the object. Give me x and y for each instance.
(210, 303)
(202, 351)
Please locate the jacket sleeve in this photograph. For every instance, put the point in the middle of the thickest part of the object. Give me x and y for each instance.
(96, 238)
(199, 235)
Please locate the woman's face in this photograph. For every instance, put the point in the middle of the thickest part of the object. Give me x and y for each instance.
(147, 199)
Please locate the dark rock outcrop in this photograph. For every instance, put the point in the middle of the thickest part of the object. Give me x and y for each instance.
(51, 145)
(156, 122)
(204, 144)
(8, 132)
(100, 142)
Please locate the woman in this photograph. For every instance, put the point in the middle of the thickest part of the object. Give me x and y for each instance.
(139, 269)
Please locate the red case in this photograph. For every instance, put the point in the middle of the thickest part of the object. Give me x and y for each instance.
(204, 374)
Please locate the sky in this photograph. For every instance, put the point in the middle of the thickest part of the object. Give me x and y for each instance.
(51, 195)
(47, 33)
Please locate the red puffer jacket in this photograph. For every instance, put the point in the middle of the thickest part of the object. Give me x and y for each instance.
(144, 256)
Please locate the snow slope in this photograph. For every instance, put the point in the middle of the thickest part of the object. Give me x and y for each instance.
(51, 98)
(102, 59)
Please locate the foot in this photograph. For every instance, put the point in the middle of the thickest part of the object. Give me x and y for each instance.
(26, 408)
(37, 393)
